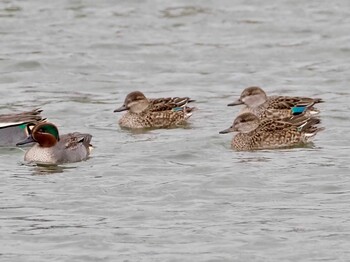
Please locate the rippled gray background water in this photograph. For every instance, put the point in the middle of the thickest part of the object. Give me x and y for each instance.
(179, 194)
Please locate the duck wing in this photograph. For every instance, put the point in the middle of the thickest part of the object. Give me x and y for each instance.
(32, 116)
(287, 102)
(76, 139)
(169, 103)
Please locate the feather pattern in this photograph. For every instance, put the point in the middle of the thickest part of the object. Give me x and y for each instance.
(257, 102)
(15, 127)
(154, 113)
(32, 116)
(254, 133)
(52, 148)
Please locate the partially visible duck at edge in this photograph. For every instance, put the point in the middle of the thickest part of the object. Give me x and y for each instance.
(254, 134)
(52, 148)
(16, 127)
(154, 113)
(263, 106)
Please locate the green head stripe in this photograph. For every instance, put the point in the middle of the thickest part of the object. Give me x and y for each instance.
(51, 129)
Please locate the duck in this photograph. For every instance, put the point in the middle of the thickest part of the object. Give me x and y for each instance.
(154, 113)
(17, 126)
(255, 133)
(52, 148)
(257, 102)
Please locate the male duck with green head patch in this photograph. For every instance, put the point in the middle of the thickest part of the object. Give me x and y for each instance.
(52, 148)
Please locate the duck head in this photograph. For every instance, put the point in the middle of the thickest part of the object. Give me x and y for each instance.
(251, 96)
(135, 102)
(45, 134)
(244, 123)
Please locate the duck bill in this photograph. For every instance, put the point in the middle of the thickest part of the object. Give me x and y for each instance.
(28, 140)
(120, 109)
(228, 130)
(236, 103)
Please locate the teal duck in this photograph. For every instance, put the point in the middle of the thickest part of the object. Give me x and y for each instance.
(52, 148)
(257, 102)
(154, 113)
(255, 133)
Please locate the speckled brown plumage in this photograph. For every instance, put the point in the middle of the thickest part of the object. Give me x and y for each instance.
(257, 102)
(154, 113)
(271, 133)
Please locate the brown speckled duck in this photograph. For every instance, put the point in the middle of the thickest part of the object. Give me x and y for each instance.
(254, 133)
(154, 113)
(257, 102)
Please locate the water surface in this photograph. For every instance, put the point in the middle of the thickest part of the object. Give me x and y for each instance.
(177, 194)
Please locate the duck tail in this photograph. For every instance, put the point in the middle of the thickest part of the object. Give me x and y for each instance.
(188, 111)
(312, 131)
(90, 148)
(313, 111)
(85, 139)
(318, 100)
(309, 127)
(182, 101)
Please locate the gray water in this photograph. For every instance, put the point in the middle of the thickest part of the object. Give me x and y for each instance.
(179, 194)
